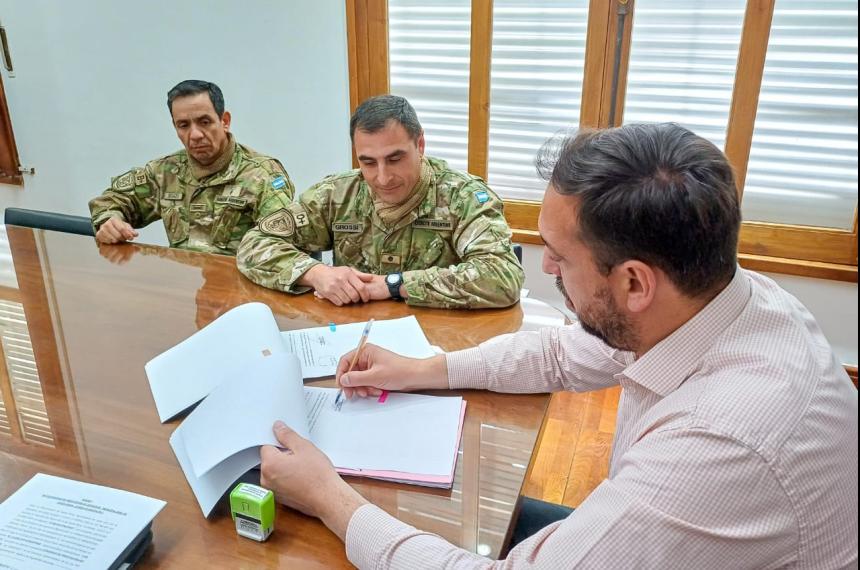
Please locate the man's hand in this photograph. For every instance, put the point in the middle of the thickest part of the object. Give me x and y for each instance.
(303, 478)
(115, 230)
(340, 285)
(378, 369)
(377, 287)
(119, 255)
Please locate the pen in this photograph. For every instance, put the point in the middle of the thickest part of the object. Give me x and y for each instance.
(338, 400)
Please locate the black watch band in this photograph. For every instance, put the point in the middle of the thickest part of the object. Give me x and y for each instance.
(394, 281)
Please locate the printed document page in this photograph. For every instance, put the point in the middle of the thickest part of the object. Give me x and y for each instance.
(409, 433)
(319, 349)
(185, 374)
(52, 523)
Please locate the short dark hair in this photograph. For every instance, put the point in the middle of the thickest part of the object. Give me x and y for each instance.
(193, 87)
(372, 116)
(657, 193)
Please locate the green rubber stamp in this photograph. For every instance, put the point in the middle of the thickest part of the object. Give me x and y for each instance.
(253, 509)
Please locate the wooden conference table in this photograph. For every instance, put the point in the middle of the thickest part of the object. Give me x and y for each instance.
(84, 320)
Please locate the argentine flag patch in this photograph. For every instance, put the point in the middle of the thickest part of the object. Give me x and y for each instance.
(279, 183)
(482, 196)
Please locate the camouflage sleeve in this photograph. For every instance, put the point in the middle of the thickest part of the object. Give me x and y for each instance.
(276, 192)
(132, 197)
(489, 274)
(274, 254)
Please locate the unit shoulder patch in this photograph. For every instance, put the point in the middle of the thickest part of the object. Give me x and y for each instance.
(124, 182)
(279, 224)
(482, 196)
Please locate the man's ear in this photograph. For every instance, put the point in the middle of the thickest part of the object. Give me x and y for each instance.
(636, 284)
(421, 144)
(225, 120)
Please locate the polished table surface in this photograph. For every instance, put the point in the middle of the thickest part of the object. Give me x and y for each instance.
(76, 402)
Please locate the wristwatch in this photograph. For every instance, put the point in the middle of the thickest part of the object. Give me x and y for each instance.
(394, 281)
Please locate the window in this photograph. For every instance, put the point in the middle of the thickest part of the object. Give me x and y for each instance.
(772, 82)
(538, 58)
(803, 161)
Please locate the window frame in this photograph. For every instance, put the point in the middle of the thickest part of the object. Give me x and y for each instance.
(826, 253)
(10, 164)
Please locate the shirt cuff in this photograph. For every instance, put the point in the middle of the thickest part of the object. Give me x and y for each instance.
(289, 277)
(98, 220)
(466, 370)
(370, 533)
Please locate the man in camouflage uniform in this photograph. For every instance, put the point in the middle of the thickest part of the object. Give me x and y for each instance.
(208, 194)
(402, 226)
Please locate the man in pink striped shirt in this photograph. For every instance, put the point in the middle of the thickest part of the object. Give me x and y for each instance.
(736, 439)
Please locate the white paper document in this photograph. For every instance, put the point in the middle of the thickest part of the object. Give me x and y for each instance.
(51, 523)
(409, 437)
(248, 334)
(185, 374)
(319, 349)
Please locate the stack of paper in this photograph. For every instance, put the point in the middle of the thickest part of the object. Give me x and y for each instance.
(255, 380)
(51, 522)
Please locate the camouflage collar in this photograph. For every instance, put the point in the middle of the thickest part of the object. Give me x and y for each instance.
(228, 175)
(364, 205)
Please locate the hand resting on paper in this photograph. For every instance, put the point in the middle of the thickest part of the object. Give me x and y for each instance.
(303, 478)
(378, 369)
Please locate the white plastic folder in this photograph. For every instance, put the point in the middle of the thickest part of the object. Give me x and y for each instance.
(245, 336)
(409, 438)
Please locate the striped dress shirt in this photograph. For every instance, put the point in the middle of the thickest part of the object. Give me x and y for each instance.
(735, 446)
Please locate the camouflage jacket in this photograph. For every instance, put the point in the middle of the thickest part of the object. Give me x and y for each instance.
(454, 249)
(209, 215)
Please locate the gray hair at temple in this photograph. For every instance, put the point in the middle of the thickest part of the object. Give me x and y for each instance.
(657, 193)
(375, 113)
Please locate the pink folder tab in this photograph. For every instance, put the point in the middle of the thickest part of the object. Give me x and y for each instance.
(440, 481)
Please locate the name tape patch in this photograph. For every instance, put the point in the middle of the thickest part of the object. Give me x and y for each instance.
(348, 227)
(173, 195)
(429, 224)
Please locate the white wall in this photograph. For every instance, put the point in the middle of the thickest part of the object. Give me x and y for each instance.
(88, 100)
(834, 304)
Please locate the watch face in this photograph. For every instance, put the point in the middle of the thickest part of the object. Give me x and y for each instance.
(392, 279)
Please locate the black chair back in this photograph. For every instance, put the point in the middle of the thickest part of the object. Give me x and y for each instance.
(518, 251)
(48, 221)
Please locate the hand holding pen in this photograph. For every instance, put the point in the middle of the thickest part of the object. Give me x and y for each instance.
(338, 401)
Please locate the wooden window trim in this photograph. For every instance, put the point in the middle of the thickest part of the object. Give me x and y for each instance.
(9, 161)
(795, 250)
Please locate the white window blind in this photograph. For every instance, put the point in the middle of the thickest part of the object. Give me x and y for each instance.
(7, 267)
(429, 48)
(683, 56)
(803, 161)
(25, 385)
(538, 60)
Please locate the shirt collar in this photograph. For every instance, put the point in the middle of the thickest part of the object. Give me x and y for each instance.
(671, 361)
(364, 207)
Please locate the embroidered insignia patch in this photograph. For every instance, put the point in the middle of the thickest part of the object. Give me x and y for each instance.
(199, 208)
(173, 195)
(390, 258)
(139, 177)
(482, 196)
(124, 183)
(280, 224)
(279, 183)
(428, 224)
